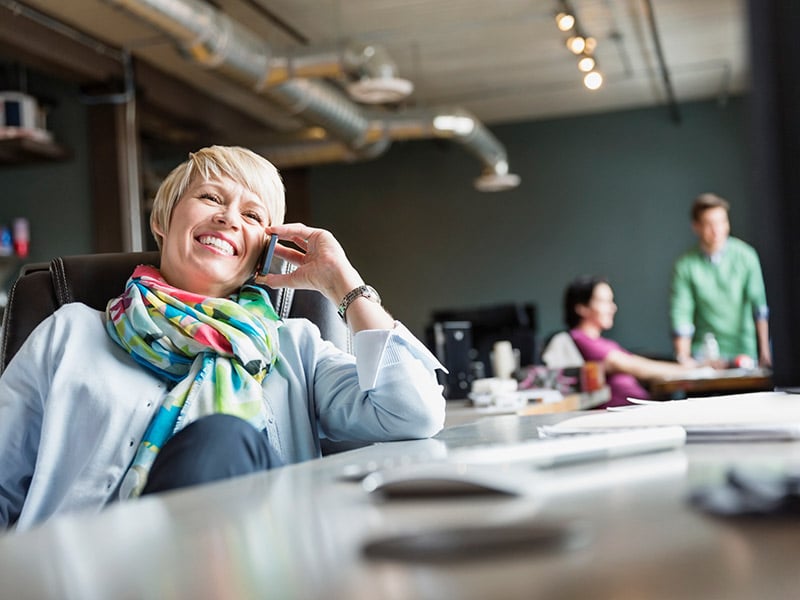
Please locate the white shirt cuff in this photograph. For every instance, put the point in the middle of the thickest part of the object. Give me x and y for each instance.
(378, 348)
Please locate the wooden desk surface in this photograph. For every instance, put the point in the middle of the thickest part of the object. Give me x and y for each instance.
(726, 381)
(299, 532)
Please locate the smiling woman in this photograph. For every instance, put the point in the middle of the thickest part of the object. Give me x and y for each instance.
(190, 376)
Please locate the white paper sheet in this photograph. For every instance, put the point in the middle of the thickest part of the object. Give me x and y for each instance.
(759, 415)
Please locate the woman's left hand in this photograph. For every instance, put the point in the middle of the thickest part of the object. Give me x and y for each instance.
(323, 266)
(320, 260)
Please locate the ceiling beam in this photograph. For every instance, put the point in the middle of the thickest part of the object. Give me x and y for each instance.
(39, 46)
(169, 110)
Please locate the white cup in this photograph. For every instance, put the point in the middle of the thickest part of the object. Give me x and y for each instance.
(504, 362)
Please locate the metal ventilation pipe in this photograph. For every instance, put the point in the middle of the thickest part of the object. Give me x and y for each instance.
(446, 123)
(214, 40)
(371, 73)
(463, 127)
(211, 38)
(301, 153)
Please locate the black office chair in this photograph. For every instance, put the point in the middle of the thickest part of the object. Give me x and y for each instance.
(93, 279)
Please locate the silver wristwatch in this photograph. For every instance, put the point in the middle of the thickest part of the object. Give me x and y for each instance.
(367, 291)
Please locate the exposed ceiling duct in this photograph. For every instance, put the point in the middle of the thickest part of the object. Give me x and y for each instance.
(211, 38)
(314, 147)
(463, 127)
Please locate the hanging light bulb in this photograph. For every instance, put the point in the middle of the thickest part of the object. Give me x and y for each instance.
(565, 21)
(593, 80)
(576, 44)
(586, 63)
(580, 45)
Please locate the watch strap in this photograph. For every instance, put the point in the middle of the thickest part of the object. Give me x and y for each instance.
(365, 291)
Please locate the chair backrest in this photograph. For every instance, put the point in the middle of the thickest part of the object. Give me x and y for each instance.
(94, 279)
(561, 352)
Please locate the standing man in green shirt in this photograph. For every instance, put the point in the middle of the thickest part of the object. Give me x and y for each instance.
(718, 288)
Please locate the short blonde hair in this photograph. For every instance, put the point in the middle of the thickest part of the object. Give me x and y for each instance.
(244, 166)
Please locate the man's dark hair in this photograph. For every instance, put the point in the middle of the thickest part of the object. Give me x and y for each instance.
(705, 201)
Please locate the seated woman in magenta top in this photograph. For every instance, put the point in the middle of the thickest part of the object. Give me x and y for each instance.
(589, 310)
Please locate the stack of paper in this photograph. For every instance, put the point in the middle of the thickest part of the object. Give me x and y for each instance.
(740, 417)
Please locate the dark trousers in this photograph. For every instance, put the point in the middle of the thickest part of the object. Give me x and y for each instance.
(212, 448)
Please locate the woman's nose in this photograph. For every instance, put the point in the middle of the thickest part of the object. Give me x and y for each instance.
(228, 216)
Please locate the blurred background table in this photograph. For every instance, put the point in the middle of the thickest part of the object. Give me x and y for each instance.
(722, 381)
(464, 411)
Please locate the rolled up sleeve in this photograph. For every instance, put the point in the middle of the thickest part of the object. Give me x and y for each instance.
(681, 302)
(393, 393)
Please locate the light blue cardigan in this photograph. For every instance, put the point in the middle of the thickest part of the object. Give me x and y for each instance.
(74, 405)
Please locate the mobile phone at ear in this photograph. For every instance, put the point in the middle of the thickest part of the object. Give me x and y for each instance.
(264, 261)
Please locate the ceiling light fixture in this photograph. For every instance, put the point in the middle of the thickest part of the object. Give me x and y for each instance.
(455, 124)
(593, 80)
(579, 44)
(576, 44)
(565, 21)
(586, 63)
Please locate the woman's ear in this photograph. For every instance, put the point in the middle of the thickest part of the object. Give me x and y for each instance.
(157, 232)
(581, 310)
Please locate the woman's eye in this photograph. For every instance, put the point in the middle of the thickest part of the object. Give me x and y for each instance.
(211, 197)
(254, 217)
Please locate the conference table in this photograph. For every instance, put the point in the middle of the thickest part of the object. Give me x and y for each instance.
(618, 528)
(712, 382)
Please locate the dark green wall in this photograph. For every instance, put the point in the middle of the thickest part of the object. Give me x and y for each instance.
(606, 194)
(54, 196)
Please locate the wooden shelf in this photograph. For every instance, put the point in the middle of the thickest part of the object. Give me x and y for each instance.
(17, 151)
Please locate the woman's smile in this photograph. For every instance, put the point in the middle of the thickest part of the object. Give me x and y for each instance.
(218, 244)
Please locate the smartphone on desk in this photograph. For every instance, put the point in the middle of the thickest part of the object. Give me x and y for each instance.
(265, 260)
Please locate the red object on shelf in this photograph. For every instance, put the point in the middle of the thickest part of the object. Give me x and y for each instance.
(22, 236)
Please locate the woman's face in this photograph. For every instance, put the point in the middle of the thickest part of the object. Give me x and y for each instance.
(601, 308)
(215, 235)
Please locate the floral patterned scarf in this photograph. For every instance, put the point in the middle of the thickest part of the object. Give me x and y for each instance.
(216, 350)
